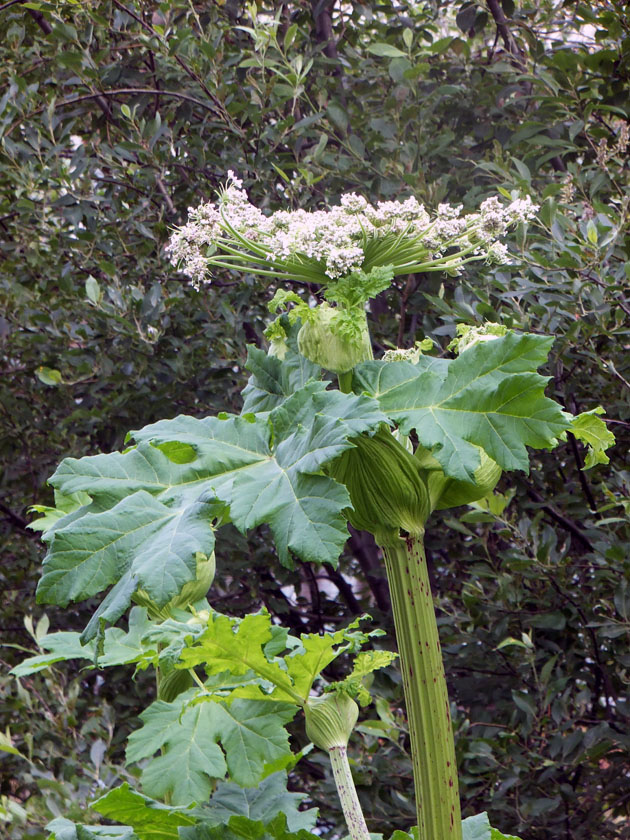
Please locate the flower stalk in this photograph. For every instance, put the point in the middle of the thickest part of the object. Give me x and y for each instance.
(426, 694)
(347, 792)
(330, 720)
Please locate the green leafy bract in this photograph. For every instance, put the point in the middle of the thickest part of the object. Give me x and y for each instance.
(365, 663)
(357, 288)
(240, 647)
(150, 515)
(251, 734)
(490, 396)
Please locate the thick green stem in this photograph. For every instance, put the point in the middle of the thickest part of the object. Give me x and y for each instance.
(426, 695)
(345, 382)
(348, 794)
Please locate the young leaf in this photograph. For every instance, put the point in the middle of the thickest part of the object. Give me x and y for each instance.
(490, 396)
(119, 647)
(240, 647)
(59, 647)
(365, 663)
(316, 652)
(236, 647)
(274, 379)
(251, 734)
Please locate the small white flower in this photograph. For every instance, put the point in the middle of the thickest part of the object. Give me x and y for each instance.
(498, 254)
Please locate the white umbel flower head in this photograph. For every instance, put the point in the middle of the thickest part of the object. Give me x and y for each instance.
(323, 245)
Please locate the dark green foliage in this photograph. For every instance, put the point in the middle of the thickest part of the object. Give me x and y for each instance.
(113, 122)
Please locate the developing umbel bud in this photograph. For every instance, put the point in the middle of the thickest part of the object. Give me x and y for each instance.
(330, 719)
(385, 486)
(323, 339)
(447, 492)
(190, 592)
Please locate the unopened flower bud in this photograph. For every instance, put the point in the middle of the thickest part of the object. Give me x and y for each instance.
(330, 719)
(190, 592)
(323, 340)
(385, 485)
(448, 492)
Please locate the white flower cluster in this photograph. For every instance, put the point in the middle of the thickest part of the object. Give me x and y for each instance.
(339, 241)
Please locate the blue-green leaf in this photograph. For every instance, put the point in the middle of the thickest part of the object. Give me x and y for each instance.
(490, 397)
(262, 803)
(151, 514)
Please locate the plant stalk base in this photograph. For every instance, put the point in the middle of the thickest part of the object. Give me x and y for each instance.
(426, 695)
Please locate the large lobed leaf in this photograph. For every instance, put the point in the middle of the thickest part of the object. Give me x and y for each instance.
(250, 733)
(279, 457)
(148, 818)
(490, 396)
(152, 506)
(242, 828)
(144, 818)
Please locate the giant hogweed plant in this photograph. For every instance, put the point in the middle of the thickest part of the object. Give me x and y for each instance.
(399, 438)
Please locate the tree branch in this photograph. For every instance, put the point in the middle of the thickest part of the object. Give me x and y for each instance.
(566, 523)
(10, 3)
(322, 17)
(496, 10)
(365, 550)
(115, 92)
(345, 590)
(13, 517)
